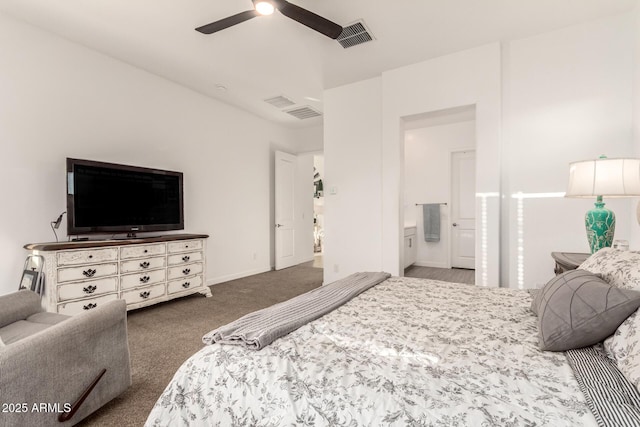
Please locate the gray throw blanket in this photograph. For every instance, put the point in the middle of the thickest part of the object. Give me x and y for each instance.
(260, 328)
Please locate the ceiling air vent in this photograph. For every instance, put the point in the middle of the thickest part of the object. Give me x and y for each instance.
(303, 113)
(354, 35)
(279, 101)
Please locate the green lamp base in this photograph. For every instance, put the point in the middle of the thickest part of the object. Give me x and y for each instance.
(600, 223)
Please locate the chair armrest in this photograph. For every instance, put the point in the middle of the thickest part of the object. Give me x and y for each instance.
(18, 306)
(56, 365)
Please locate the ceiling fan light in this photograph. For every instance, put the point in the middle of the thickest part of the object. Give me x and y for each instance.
(264, 7)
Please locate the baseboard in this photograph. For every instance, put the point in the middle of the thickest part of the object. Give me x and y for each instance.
(431, 264)
(222, 279)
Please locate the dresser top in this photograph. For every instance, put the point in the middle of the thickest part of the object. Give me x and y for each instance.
(57, 246)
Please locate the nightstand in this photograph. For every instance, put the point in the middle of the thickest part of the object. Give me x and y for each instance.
(566, 261)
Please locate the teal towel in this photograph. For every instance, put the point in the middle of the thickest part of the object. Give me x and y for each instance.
(431, 221)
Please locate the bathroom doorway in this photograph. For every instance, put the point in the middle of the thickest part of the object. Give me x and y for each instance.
(439, 171)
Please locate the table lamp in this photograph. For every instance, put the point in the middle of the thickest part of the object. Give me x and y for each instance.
(600, 178)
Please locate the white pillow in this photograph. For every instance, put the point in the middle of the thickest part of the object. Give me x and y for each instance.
(617, 267)
(621, 269)
(624, 347)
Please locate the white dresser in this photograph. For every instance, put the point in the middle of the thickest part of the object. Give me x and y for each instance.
(82, 275)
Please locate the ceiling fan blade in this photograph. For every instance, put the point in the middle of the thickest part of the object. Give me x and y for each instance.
(228, 22)
(308, 18)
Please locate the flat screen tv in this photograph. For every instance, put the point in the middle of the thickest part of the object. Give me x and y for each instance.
(110, 198)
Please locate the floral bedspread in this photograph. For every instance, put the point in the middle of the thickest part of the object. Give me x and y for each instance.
(406, 352)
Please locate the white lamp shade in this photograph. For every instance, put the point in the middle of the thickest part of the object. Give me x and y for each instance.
(604, 177)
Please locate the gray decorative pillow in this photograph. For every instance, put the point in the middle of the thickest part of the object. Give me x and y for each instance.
(577, 309)
(536, 294)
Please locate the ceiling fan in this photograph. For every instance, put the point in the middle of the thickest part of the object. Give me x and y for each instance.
(267, 7)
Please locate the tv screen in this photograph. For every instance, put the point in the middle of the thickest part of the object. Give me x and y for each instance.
(111, 198)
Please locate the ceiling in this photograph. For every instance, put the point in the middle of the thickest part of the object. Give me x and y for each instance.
(273, 55)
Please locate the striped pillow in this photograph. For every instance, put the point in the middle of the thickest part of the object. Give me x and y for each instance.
(613, 401)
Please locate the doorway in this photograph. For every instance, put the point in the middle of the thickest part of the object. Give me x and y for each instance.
(298, 210)
(439, 169)
(318, 209)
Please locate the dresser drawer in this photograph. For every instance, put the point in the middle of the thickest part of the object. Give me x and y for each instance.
(129, 281)
(87, 289)
(142, 264)
(86, 256)
(184, 270)
(184, 258)
(128, 252)
(85, 272)
(184, 284)
(75, 307)
(143, 294)
(184, 245)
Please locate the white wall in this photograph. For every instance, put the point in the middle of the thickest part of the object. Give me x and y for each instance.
(364, 148)
(471, 77)
(541, 103)
(569, 98)
(308, 140)
(634, 235)
(427, 171)
(59, 99)
(353, 164)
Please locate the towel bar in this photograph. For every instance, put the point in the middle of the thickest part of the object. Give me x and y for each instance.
(418, 204)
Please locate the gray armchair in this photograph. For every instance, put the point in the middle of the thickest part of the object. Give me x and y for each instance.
(56, 369)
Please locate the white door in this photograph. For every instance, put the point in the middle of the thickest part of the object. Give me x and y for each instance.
(463, 209)
(284, 210)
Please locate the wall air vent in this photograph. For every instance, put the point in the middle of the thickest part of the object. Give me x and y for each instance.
(303, 113)
(354, 35)
(279, 101)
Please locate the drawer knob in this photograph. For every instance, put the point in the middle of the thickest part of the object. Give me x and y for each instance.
(145, 279)
(186, 285)
(90, 256)
(145, 294)
(89, 273)
(186, 258)
(90, 289)
(186, 271)
(144, 264)
(89, 306)
(145, 251)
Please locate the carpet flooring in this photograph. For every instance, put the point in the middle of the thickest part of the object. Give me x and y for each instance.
(163, 336)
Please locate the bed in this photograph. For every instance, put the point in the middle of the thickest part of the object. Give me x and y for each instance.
(405, 352)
